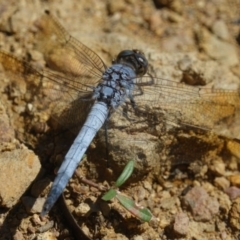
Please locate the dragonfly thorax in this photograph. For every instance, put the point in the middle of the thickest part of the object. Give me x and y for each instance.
(117, 84)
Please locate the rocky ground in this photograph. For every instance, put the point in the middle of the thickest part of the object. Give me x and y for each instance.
(187, 177)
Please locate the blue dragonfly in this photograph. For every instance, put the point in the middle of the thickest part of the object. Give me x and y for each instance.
(82, 77)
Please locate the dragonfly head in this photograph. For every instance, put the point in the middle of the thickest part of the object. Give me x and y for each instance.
(135, 59)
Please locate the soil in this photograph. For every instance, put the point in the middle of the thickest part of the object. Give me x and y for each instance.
(186, 176)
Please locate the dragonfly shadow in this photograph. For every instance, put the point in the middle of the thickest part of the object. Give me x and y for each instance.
(198, 154)
(62, 128)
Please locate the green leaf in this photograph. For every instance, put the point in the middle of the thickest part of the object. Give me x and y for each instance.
(140, 212)
(126, 173)
(110, 194)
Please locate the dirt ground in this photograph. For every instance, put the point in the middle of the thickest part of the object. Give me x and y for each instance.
(187, 177)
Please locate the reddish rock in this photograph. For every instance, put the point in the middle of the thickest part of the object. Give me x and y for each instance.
(201, 204)
(233, 192)
(181, 223)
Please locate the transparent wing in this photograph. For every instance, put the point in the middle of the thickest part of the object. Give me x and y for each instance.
(195, 106)
(66, 54)
(41, 89)
(78, 70)
(157, 104)
(161, 100)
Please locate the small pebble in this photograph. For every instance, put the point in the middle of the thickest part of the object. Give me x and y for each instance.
(164, 221)
(221, 226)
(235, 180)
(181, 223)
(147, 185)
(141, 194)
(168, 203)
(36, 55)
(137, 237)
(155, 23)
(233, 192)
(35, 219)
(185, 63)
(218, 167)
(46, 227)
(221, 182)
(82, 209)
(33, 205)
(234, 147)
(220, 29)
(116, 6)
(201, 204)
(174, 17)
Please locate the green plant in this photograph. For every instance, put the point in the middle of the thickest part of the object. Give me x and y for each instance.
(140, 212)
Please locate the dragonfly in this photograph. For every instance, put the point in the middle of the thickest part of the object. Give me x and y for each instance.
(79, 73)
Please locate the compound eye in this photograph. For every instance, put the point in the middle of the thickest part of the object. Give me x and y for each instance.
(124, 53)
